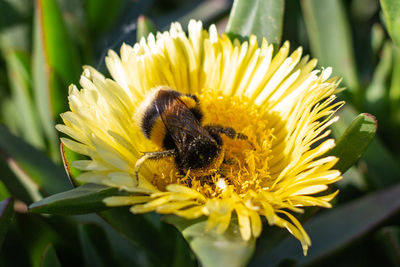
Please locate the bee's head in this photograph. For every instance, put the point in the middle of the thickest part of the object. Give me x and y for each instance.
(203, 157)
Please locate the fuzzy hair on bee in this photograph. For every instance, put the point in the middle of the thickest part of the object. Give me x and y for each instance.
(173, 121)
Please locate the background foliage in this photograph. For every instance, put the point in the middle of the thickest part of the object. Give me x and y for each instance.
(43, 45)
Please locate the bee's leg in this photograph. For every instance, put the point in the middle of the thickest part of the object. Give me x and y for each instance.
(228, 131)
(151, 156)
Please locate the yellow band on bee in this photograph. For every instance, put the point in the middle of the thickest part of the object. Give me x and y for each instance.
(158, 132)
(189, 101)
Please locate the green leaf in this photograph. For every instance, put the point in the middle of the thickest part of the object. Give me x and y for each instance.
(363, 10)
(87, 198)
(102, 14)
(22, 7)
(31, 165)
(20, 83)
(376, 95)
(95, 245)
(8, 15)
(140, 229)
(211, 248)
(330, 232)
(394, 92)
(391, 12)
(13, 251)
(49, 257)
(378, 37)
(9, 114)
(208, 12)
(18, 188)
(260, 17)
(4, 192)
(330, 39)
(68, 156)
(36, 235)
(55, 66)
(124, 250)
(389, 240)
(183, 256)
(270, 237)
(380, 167)
(6, 216)
(16, 38)
(354, 141)
(19, 112)
(144, 27)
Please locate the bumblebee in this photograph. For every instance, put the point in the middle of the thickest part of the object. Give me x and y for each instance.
(173, 121)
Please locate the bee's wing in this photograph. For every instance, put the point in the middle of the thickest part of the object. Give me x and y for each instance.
(179, 121)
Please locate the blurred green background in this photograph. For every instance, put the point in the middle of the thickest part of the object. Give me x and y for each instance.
(43, 45)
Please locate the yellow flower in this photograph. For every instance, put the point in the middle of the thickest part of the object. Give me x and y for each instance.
(279, 102)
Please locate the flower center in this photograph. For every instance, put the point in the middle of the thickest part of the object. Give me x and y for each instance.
(246, 162)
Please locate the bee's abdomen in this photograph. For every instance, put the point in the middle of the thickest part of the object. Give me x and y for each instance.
(154, 128)
(148, 120)
(155, 104)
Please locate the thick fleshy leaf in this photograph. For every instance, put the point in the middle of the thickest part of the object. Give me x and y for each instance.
(20, 83)
(378, 37)
(17, 186)
(330, 232)
(19, 112)
(124, 32)
(9, 114)
(260, 17)
(87, 198)
(36, 235)
(183, 256)
(37, 231)
(141, 229)
(49, 257)
(394, 100)
(124, 250)
(394, 93)
(270, 237)
(55, 66)
(389, 240)
(208, 11)
(354, 141)
(8, 15)
(382, 168)
(211, 248)
(6, 216)
(95, 245)
(64, 236)
(330, 38)
(376, 95)
(13, 251)
(32, 165)
(391, 11)
(4, 192)
(144, 27)
(102, 14)
(68, 156)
